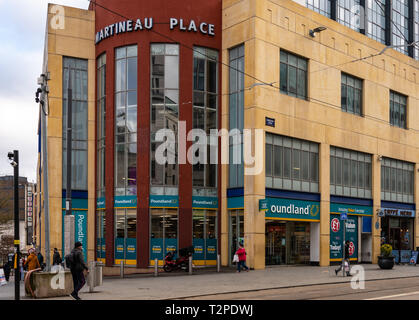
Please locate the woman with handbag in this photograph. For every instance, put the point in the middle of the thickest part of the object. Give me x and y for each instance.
(241, 253)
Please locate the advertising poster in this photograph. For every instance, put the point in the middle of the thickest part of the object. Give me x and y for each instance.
(336, 236)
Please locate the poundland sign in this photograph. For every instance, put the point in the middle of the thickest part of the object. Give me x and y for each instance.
(147, 24)
(289, 209)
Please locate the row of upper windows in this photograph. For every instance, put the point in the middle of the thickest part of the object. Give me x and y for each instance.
(389, 22)
(293, 82)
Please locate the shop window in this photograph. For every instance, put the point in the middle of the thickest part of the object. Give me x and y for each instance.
(164, 232)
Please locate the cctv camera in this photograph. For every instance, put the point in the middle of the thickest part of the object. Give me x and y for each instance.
(10, 155)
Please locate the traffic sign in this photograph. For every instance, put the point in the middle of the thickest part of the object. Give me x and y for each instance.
(343, 216)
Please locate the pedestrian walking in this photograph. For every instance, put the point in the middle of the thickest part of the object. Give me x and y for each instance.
(7, 269)
(41, 259)
(56, 259)
(346, 260)
(32, 262)
(77, 268)
(241, 252)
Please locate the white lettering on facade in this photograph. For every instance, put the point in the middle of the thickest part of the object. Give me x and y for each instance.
(147, 23)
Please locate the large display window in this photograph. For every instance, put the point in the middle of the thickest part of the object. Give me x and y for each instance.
(204, 225)
(164, 233)
(126, 236)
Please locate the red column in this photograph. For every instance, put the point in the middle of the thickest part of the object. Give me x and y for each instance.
(109, 158)
(185, 170)
(143, 156)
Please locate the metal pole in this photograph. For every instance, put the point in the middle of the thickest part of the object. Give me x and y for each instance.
(122, 269)
(44, 104)
(156, 265)
(92, 275)
(190, 264)
(218, 263)
(17, 238)
(343, 248)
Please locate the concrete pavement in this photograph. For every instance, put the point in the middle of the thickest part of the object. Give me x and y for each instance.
(208, 281)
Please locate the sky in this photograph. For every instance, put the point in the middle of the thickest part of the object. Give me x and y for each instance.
(22, 30)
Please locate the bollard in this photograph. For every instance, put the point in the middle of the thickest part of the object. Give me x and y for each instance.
(190, 264)
(122, 269)
(218, 263)
(92, 273)
(156, 265)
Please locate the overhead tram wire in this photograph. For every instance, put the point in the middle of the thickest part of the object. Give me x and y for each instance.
(246, 74)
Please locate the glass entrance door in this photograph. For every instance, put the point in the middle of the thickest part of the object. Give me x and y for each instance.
(275, 251)
(236, 232)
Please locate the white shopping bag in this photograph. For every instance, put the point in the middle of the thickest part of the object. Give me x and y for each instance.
(236, 258)
(346, 266)
(2, 278)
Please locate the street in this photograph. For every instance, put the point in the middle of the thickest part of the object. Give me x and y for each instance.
(392, 289)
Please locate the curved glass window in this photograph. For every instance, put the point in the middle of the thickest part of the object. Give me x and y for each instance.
(164, 112)
(126, 121)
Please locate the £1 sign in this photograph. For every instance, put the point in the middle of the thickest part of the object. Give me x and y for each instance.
(335, 224)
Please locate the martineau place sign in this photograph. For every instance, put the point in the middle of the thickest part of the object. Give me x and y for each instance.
(147, 24)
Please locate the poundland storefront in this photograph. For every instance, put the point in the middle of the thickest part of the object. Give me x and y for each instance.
(292, 230)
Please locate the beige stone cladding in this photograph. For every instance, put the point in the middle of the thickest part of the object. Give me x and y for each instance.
(267, 26)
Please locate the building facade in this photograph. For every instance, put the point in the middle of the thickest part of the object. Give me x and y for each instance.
(333, 121)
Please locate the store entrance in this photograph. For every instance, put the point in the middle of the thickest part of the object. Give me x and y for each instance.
(287, 242)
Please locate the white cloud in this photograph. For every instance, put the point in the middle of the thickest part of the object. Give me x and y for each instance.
(22, 29)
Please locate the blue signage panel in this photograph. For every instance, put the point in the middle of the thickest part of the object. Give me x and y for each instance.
(125, 201)
(204, 202)
(164, 201)
(367, 224)
(80, 221)
(235, 203)
(289, 209)
(199, 249)
(414, 258)
(270, 122)
(100, 203)
(350, 209)
(131, 248)
(211, 250)
(119, 249)
(391, 212)
(156, 249)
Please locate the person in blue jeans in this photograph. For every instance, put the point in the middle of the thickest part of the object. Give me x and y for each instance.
(241, 252)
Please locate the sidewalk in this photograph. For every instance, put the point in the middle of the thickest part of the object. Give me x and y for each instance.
(203, 282)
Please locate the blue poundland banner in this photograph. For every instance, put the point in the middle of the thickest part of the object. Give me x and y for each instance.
(80, 229)
(125, 202)
(289, 209)
(164, 201)
(350, 209)
(204, 202)
(100, 203)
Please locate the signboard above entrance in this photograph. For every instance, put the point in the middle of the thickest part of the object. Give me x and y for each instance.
(290, 209)
(147, 24)
(391, 212)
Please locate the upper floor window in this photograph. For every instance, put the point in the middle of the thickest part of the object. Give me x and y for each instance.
(351, 94)
(321, 6)
(398, 104)
(350, 173)
(291, 164)
(101, 120)
(397, 180)
(376, 28)
(400, 17)
(348, 13)
(293, 75)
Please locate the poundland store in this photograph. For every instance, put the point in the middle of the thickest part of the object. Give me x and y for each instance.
(319, 147)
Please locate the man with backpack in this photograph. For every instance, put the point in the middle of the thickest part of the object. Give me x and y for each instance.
(75, 262)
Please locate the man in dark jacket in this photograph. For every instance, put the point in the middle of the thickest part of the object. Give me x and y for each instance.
(7, 269)
(77, 268)
(56, 259)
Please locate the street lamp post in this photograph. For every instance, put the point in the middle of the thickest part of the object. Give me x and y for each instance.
(14, 161)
